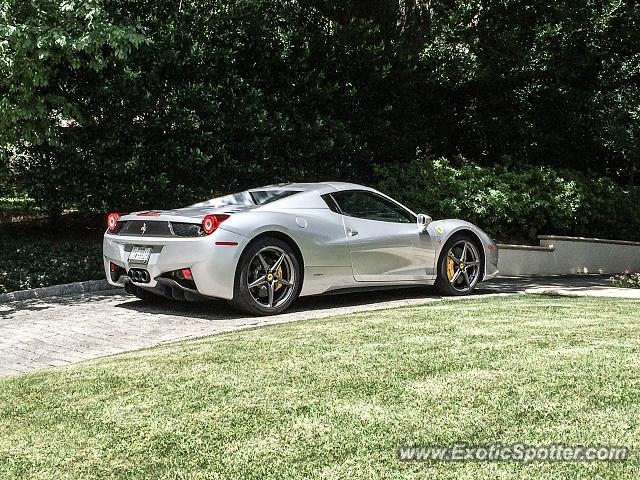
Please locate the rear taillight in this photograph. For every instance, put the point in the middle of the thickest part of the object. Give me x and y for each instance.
(185, 274)
(210, 223)
(112, 221)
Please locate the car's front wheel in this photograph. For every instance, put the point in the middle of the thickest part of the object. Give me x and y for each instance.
(268, 278)
(459, 266)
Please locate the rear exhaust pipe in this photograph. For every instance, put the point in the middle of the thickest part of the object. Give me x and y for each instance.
(139, 276)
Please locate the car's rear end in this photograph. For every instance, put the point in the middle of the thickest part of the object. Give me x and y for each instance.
(182, 254)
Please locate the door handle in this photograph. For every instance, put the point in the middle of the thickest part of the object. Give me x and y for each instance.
(352, 232)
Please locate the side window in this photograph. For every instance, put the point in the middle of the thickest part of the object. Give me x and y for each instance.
(331, 203)
(368, 205)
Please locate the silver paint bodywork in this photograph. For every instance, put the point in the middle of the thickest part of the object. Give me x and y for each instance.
(337, 251)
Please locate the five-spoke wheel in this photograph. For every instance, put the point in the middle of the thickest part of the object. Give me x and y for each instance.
(268, 277)
(272, 277)
(460, 266)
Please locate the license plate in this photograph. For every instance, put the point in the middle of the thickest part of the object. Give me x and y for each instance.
(140, 255)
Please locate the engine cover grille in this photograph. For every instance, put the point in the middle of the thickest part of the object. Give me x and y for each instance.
(187, 229)
(141, 228)
(159, 228)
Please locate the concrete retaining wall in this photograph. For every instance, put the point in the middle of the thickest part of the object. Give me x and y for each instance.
(569, 255)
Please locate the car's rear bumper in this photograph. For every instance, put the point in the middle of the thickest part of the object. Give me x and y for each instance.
(169, 289)
(212, 260)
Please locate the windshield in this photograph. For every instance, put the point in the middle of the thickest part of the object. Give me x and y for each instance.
(253, 197)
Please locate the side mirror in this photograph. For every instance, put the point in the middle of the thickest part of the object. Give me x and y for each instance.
(423, 222)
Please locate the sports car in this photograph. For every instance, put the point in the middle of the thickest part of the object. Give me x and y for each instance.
(262, 248)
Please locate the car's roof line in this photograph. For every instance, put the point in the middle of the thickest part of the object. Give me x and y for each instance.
(320, 187)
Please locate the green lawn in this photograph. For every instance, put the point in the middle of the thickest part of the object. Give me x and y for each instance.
(334, 398)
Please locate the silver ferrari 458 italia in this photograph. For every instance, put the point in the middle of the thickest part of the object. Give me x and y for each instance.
(263, 248)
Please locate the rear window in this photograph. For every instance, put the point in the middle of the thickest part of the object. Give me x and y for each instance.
(252, 197)
(242, 198)
(262, 197)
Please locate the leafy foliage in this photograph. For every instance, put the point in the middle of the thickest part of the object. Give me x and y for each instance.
(547, 83)
(138, 103)
(30, 261)
(50, 49)
(516, 201)
(627, 279)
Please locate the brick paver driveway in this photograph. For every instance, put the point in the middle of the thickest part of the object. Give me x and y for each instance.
(43, 333)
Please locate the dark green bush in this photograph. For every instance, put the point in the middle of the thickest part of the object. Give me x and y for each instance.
(112, 105)
(31, 261)
(516, 202)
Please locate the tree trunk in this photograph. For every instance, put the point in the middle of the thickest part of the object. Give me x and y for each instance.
(54, 215)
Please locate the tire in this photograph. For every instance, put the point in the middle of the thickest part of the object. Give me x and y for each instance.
(456, 275)
(141, 293)
(274, 288)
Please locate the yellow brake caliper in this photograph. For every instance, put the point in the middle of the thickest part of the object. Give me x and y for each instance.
(450, 268)
(279, 275)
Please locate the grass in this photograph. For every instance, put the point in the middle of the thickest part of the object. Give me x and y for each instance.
(334, 398)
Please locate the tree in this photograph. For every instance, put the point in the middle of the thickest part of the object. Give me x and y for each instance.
(125, 104)
(48, 48)
(544, 83)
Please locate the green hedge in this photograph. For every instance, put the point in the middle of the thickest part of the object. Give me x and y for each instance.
(28, 261)
(512, 203)
(516, 202)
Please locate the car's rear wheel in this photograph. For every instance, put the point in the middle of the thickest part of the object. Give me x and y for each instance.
(459, 266)
(268, 278)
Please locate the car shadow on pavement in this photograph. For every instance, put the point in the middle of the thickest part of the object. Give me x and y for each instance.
(7, 310)
(42, 304)
(221, 310)
(322, 304)
(327, 303)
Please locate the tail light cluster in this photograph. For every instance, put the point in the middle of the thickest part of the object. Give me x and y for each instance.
(112, 221)
(210, 223)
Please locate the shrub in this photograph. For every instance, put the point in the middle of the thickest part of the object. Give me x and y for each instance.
(626, 280)
(31, 261)
(515, 202)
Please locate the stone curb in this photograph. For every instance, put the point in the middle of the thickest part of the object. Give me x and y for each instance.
(599, 292)
(57, 290)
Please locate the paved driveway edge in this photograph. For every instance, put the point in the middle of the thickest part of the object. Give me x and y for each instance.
(58, 290)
